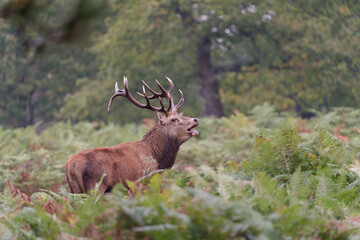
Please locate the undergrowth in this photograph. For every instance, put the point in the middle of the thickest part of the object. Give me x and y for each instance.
(266, 176)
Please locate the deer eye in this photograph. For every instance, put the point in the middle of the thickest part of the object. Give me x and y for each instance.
(174, 119)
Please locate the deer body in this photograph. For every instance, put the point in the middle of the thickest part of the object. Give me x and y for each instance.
(132, 160)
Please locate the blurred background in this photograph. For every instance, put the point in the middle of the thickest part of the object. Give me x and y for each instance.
(60, 58)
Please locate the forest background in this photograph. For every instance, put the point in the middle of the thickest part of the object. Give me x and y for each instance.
(60, 59)
(276, 87)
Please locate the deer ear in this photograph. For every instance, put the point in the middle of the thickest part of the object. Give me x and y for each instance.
(161, 117)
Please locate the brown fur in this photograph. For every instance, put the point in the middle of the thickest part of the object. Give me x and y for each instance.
(130, 161)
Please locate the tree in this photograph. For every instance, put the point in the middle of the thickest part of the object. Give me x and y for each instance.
(306, 59)
(179, 38)
(277, 51)
(38, 66)
(234, 54)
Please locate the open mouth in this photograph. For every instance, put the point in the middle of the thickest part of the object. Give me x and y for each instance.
(192, 131)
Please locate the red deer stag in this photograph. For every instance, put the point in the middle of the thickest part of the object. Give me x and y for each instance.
(133, 160)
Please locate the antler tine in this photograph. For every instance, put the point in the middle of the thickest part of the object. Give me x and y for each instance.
(145, 96)
(163, 90)
(162, 105)
(172, 105)
(164, 93)
(152, 91)
(126, 93)
(171, 85)
(162, 109)
(181, 101)
(118, 92)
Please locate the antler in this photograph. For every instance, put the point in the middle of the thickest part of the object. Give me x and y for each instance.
(164, 93)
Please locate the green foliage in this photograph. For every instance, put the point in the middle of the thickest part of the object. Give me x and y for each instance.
(38, 66)
(304, 180)
(296, 56)
(267, 117)
(234, 181)
(180, 213)
(304, 58)
(287, 151)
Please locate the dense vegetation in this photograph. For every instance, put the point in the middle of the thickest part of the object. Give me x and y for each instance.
(60, 58)
(263, 169)
(263, 176)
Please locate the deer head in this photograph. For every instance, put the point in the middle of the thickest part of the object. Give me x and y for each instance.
(173, 123)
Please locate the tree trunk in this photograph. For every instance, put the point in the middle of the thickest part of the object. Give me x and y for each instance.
(208, 80)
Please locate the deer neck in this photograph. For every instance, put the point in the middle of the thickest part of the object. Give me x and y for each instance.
(164, 148)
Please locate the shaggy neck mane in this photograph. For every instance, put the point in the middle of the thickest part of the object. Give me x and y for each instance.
(163, 146)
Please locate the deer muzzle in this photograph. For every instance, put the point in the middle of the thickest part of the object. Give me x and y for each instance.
(191, 129)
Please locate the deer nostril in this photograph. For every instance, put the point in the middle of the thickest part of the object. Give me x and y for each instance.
(196, 121)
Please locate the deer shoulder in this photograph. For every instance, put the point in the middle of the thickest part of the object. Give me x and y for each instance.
(133, 160)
